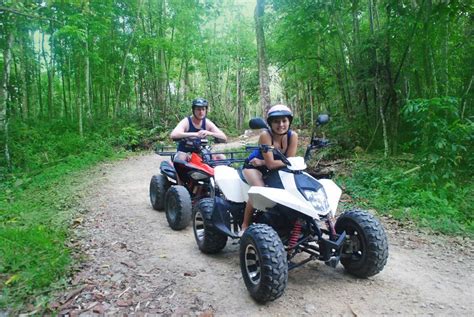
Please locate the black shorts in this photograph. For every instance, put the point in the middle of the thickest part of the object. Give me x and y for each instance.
(263, 169)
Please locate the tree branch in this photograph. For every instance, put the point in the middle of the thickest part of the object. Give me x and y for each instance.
(7, 9)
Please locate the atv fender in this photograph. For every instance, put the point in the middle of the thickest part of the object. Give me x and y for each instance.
(264, 198)
(221, 215)
(230, 183)
(167, 169)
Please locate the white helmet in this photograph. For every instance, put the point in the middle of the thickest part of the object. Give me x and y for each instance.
(279, 111)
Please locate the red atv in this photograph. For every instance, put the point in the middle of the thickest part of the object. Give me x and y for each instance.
(182, 183)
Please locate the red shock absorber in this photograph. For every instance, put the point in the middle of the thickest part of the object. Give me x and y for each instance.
(295, 234)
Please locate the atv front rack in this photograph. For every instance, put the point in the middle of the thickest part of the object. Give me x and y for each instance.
(232, 157)
(160, 150)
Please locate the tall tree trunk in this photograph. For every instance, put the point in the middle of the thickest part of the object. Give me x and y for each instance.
(377, 95)
(239, 102)
(79, 104)
(87, 86)
(69, 89)
(24, 90)
(63, 84)
(345, 83)
(209, 80)
(392, 102)
(167, 57)
(465, 97)
(178, 82)
(264, 78)
(161, 78)
(49, 70)
(7, 58)
(427, 55)
(25, 80)
(311, 101)
(40, 88)
(340, 84)
(124, 63)
(446, 58)
(186, 87)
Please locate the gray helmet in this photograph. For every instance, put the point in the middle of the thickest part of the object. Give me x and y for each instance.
(200, 102)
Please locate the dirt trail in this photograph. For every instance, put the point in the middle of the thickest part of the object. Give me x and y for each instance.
(135, 264)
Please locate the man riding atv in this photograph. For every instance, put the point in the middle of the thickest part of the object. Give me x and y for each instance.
(197, 126)
(185, 179)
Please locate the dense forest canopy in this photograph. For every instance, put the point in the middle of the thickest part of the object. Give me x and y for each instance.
(391, 73)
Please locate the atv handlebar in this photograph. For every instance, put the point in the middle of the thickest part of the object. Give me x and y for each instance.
(193, 143)
(316, 143)
(267, 148)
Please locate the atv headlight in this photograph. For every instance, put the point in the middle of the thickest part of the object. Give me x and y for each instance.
(319, 200)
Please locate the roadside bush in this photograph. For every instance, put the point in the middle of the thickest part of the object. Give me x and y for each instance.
(442, 142)
(396, 189)
(130, 138)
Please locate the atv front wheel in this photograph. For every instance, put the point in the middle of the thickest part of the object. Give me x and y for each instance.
(178, 207)
(365, 251)
(208, 238)
(263, 263)
(158, 186)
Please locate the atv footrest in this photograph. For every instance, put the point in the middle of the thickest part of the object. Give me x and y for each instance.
(329, 248)
(294, 265)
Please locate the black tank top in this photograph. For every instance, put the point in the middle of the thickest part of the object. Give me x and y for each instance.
(192, 128)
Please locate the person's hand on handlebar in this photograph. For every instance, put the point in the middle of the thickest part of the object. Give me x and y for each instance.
(257, 162)
(202, 134)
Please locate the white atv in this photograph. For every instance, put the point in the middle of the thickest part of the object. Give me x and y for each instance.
(294, 214)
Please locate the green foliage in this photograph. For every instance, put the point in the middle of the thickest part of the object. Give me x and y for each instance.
(32, 257)
(35, 216)
(36, 204)
(130, 137)
(44, 144)
(441, 140)
(396, 189)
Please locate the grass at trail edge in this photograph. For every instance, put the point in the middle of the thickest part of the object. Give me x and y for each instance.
(36, 213)
(387, 187)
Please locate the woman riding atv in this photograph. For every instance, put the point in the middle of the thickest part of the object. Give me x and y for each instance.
(280, 136)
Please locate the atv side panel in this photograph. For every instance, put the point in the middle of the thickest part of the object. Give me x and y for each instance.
(229, 182)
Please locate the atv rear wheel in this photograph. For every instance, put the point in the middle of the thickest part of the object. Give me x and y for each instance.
(365, 251)
(208, 238)
(158, 186)
(178, 207)
(263, 263)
